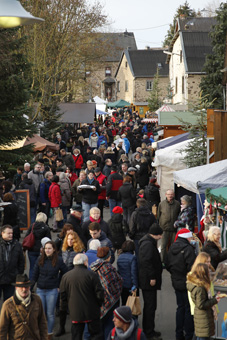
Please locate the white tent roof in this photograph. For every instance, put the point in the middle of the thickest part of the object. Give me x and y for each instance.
(199, 178)
(171, 156)
(99, 100)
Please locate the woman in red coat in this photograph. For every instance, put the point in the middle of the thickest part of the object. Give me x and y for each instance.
(55, 199)
(78, 159)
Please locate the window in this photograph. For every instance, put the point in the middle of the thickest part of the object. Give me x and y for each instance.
(108, 71)
(118, 86)
(182, 84)
(126, 86)
(149, 85)
(176, 84)
(126, 64)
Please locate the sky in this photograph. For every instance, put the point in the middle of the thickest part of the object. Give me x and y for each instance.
(148, 19)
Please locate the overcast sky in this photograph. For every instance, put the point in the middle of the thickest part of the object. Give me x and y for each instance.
(148, 19)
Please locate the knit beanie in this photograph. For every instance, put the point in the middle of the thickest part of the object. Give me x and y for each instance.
(155, 229)
(124, 314)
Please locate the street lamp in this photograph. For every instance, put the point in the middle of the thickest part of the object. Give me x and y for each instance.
(12, 14)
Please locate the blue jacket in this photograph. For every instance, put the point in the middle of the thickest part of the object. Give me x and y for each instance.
(105, 242)
(47, 276)
(43, 191)
(100, 140)
(92, 256)
(128, 269)
(127, 144)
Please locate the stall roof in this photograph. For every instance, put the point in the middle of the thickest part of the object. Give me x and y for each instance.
(172, 140)
(172, 117)
(77, 112)
(200, 178)
(119, 103)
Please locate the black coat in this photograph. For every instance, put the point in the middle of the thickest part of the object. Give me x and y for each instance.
(11, 261)
(40, 230)
(103, 225)
(152, 195)
(127, 195)
(82, 293)
(117, 230)
(215, 254)
(88, 195)
(140, 222)
(143, 175)
(10, 214)
(180, 259)
(150, 265)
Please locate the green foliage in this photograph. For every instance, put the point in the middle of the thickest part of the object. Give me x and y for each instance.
(14, 95)
(211, 84)
(154, 100)
(181, 10)
(195, 153)
(51, 122)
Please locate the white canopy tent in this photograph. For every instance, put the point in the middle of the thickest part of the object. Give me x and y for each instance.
(167, 161)
(200, 178)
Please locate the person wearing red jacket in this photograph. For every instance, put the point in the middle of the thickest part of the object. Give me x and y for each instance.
(78, 159)
(55, 199)
(102, 182)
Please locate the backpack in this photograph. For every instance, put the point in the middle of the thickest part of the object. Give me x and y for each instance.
(138, 333)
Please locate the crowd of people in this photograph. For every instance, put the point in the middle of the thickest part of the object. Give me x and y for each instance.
(91, 266)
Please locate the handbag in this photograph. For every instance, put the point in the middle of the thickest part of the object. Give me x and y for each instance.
(29, 240)
(133, 302)
(59, 215)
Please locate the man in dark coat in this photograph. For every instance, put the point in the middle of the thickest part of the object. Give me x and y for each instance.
(75, 218)
(82, 293)
(140, 222)
(180, 259)
(11, 261)
(150, 278)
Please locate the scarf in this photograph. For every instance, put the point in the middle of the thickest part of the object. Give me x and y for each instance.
(93, 220)
(125, 335)
(90, 180)
(26, 302)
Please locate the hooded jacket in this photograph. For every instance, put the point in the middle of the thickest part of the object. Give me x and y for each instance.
(117, 230)
(40, 230)
(28, 184)
(140, 222)
(180, 259)
(203, 313)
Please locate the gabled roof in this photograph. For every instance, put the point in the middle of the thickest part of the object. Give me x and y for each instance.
(195, 41)
(117, 43)
(144, 63)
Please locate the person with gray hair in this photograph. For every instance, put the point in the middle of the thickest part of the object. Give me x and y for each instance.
(39, 230)
(186, 218)
(92, 251)
(81, 292)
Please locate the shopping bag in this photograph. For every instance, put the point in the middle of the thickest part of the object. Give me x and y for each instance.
(59, 215)
(29, 240)
(133, 302)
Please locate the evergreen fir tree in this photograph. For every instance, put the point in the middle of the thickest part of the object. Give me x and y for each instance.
(14, 95)
(211, 84)
(182, 10)
(195, 153)
(154, 100)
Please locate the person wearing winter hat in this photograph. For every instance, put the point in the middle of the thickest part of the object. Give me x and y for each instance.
(117, 227)
(125, 326)
(150, 278)
(180, 259)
